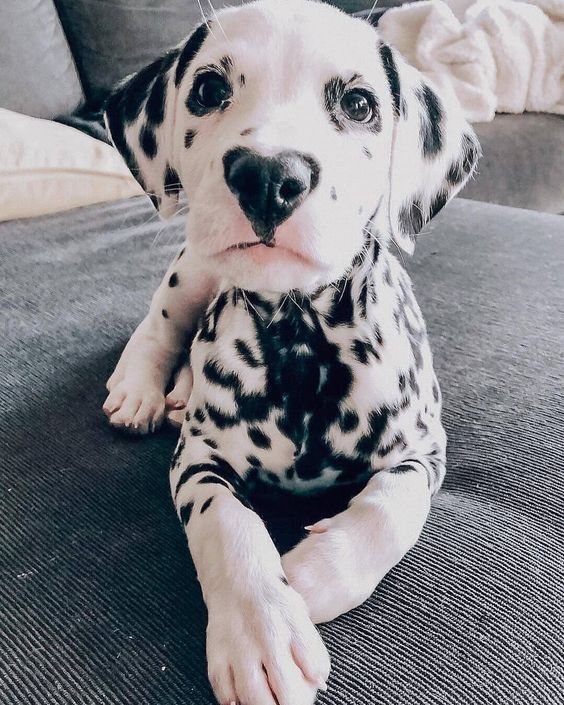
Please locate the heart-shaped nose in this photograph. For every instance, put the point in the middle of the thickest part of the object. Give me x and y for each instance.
(269, 189)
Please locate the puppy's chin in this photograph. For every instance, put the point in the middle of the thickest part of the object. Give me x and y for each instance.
(275, 269)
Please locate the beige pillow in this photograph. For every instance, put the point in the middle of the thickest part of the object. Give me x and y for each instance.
(47, 167)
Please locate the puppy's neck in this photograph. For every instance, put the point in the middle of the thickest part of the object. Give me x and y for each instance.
(342, 301)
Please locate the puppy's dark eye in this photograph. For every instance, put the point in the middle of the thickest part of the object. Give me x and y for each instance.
(212, 91)
(358, 105)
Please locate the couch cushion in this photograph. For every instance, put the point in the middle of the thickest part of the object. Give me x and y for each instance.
(523, 163)
(38, 76)
(99, 601)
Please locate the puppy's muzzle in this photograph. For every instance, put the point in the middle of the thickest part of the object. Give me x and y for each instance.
(269, 189)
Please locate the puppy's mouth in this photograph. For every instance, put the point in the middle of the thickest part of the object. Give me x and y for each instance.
(246, 245)
(265, 252)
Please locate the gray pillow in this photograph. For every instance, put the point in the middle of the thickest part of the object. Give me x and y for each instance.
(37, 73)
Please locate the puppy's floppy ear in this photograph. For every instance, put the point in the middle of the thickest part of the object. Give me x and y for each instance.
(140, 115)
(434, 150)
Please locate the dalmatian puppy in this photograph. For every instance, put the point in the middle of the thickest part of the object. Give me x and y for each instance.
(310, 153)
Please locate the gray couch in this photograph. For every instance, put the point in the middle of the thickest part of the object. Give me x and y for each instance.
(99, 604)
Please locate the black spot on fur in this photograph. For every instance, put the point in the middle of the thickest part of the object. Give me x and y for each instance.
(377, 421)
(189, 138)
(438, 203)
(401, 382)
(242, 79)
(471, 152)
(172, 183)
(173, 279)
(333, 193)
(186, 513)
(284, 579)
(361, 349)
(368, 154)
(211, 319)
(411, 218)
(436, 393)
(206, 504)
(421, 425)
(397, 442)
(348, 421)
(247, 131)
(195, 431)
(221, 420)
(403, 108)
(258, 437)
(155, 106)
(211, 443)
(413, 384)
(455, 174)
(253, 461)
(182, 251)
(341, 311)
(431, 128)
(164, 313)
(200, 415)
(392, 75)
(189, 51)
(148, 141)
(218, 467)
(246, 354)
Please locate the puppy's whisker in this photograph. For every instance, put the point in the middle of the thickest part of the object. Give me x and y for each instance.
(372, 10)
(251, 305)
(217, 19)
(295, 302)
(277, 311)
(206, 21)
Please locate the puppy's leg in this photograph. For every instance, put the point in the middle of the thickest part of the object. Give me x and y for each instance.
(338, 566)
(136, 398)
(262, 647)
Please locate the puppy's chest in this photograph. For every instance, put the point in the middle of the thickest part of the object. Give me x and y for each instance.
(292, 390)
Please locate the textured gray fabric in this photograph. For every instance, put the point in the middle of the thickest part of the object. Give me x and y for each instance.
(99, 604)
(523, 162)
(37, 72)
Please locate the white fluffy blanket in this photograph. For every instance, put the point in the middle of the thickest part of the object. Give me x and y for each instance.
(502, 56)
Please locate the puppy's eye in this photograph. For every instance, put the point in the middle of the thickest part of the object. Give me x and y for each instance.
(212, 91)
(358, 105)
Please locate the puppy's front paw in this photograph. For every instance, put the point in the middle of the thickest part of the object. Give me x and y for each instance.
(135, 406)
(263, 649)
(330, 572)
(177, 398)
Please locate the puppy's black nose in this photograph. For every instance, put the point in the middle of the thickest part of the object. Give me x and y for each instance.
(269, 189)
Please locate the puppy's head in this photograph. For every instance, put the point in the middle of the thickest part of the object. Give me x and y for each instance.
(296, 134)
